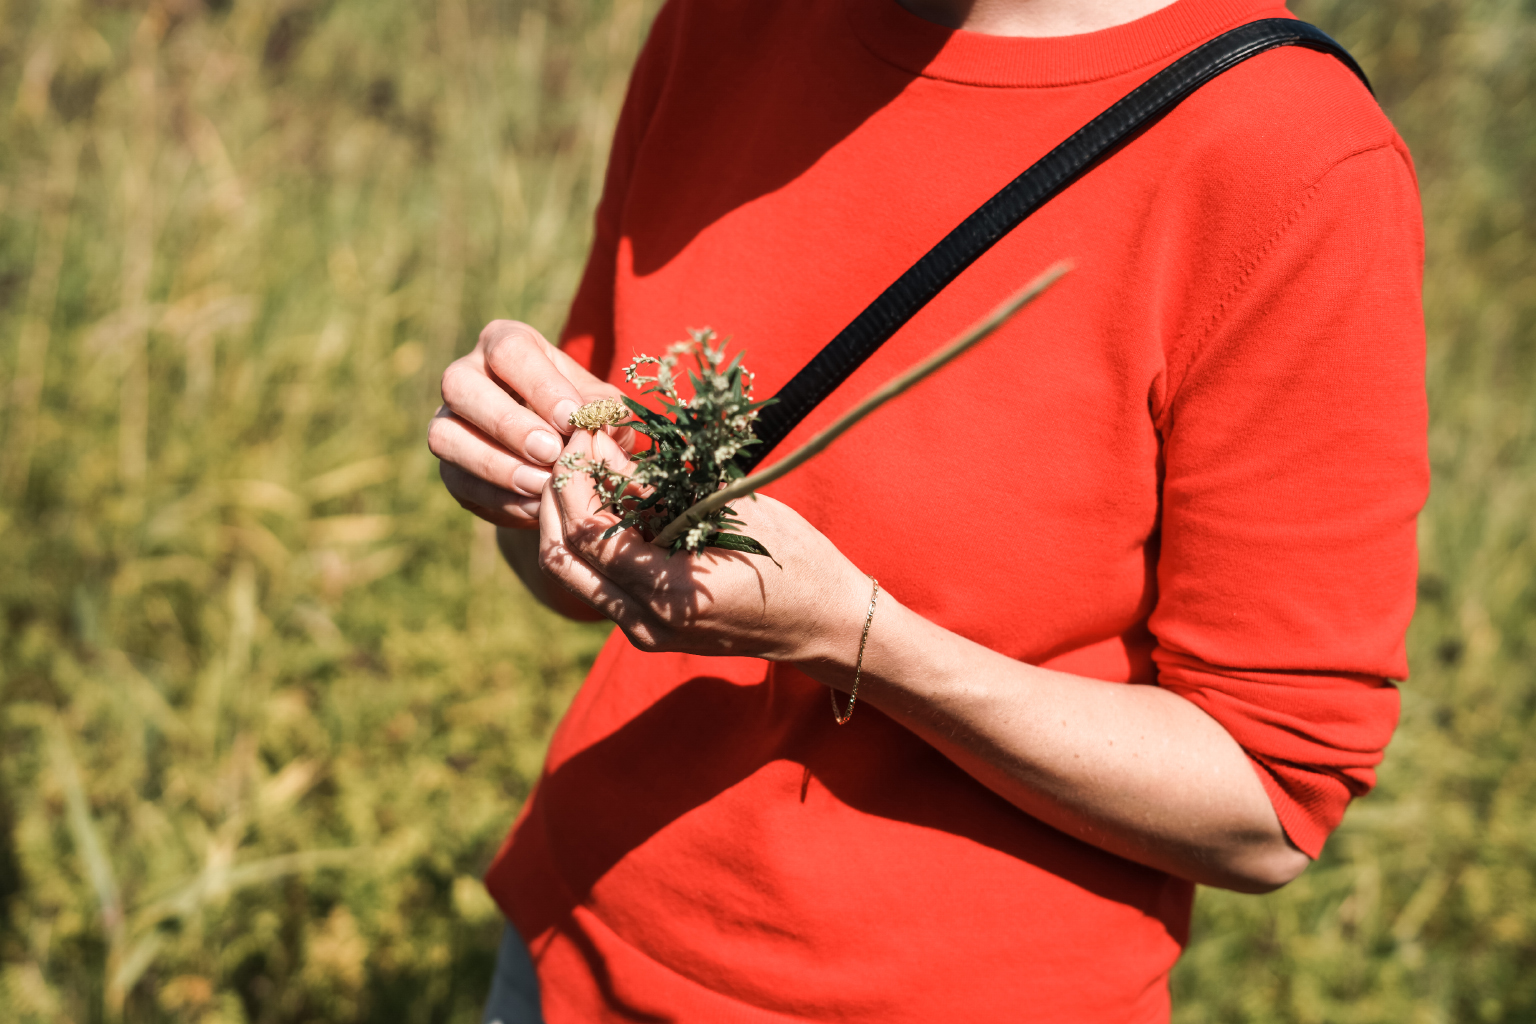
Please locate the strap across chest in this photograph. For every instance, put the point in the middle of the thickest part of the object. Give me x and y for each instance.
(1006, 210)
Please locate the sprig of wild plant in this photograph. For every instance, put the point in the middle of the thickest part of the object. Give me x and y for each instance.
(959, 345)
(679, 493)
(694, 444)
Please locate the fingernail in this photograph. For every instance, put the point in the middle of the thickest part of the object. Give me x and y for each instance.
(563, 411)
(529, 507)
(529, 480)
(543, 446)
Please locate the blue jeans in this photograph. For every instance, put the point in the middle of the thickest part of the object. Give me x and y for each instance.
(514, 997)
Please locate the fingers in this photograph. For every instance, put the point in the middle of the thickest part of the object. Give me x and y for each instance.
(589, 385)
(578, 499)
(627, 440)
(506, 405)
(625, 561)
(489, 502)
(592, 388)
(471, 394)
(520, 358)
(469, 448)
(563, 565)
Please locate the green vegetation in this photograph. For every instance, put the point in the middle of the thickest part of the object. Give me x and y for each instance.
(1423, 905)
(268, 701)
(694, 438)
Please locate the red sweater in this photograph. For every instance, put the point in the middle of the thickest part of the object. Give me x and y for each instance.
(1195, 464)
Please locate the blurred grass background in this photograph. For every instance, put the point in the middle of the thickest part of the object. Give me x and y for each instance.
(268, 701)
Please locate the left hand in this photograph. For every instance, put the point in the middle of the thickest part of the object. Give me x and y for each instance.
(718, 603)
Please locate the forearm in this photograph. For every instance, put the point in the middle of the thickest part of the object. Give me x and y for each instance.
(1135, 770)
(521, 550)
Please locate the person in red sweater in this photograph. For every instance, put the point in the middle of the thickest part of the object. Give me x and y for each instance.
(1146, 557)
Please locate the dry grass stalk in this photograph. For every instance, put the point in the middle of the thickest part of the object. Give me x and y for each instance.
(892, 388)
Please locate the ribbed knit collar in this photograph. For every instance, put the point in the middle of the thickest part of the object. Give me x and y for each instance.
(971, 58)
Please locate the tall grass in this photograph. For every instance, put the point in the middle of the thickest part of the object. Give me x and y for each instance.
(1423, 906)
(267, 701)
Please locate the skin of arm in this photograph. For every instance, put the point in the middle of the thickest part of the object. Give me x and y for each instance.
(1135, 770)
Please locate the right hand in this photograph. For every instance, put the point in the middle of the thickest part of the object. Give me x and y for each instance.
(506, 410)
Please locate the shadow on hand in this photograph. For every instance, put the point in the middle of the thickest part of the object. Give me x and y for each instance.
(677, 752)
(672, 584)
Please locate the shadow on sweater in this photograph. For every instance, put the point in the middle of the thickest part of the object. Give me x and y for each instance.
(755, 124)
(608, 799)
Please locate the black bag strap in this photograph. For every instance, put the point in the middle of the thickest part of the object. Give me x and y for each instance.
(1021, 197)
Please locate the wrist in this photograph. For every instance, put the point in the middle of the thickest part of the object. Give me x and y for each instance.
(831, 652)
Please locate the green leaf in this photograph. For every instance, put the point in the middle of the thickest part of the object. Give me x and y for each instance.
(741, 542)
(645, 415)
(660, 426)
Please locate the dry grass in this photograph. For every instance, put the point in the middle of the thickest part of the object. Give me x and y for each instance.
(269, 701)
(1423, 906)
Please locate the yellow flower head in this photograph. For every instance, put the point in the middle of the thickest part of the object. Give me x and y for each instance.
(605, 412)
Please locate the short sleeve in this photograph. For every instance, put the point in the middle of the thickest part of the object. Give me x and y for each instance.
(1294, 445)
(588, 335)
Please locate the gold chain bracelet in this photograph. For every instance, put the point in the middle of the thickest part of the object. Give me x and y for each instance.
(853, 693)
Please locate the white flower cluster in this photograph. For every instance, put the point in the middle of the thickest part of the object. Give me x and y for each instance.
(694, 443)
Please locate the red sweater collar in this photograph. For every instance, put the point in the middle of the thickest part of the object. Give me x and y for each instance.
(970, 58)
